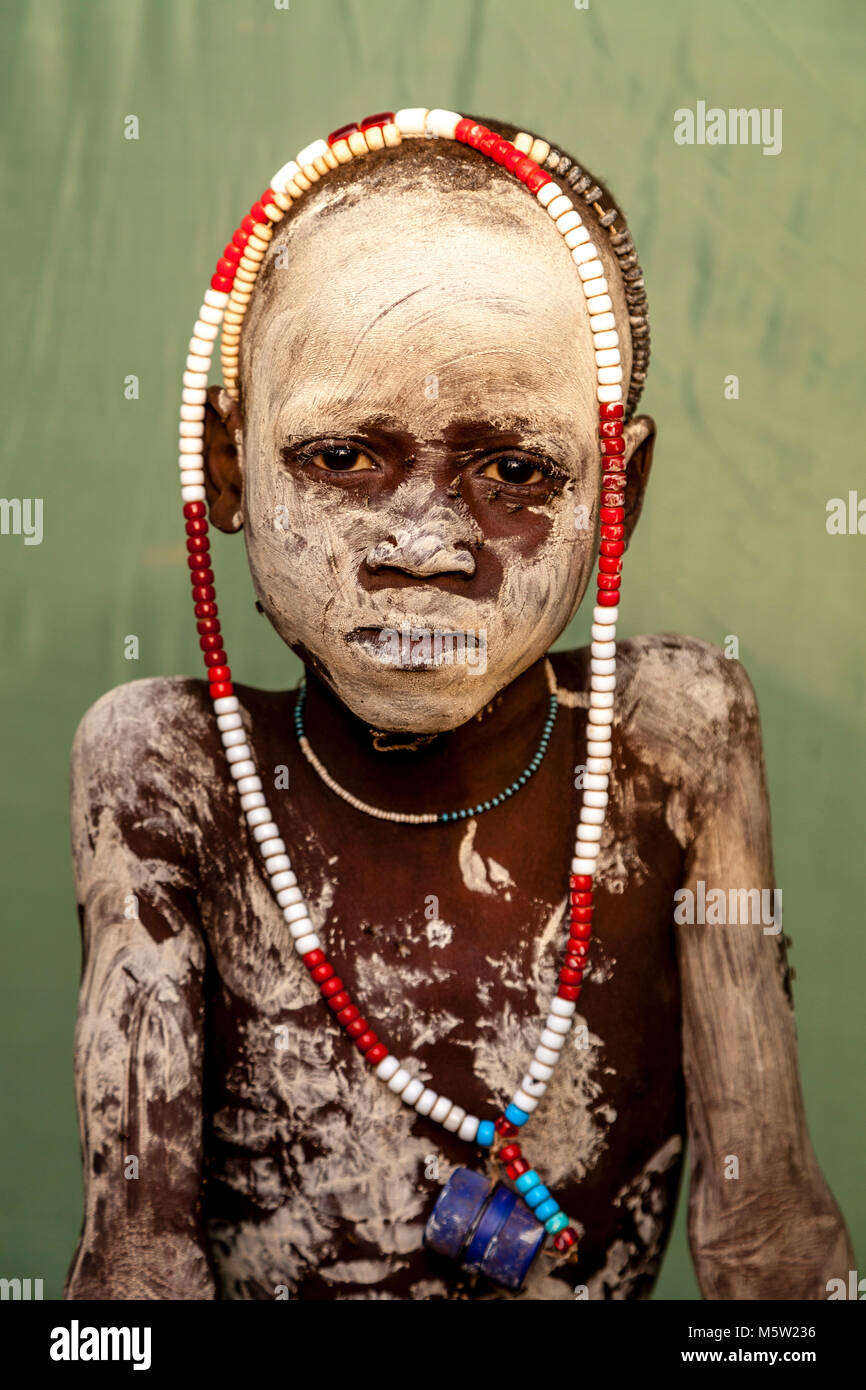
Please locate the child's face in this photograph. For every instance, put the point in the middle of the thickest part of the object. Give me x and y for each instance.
(420, 448)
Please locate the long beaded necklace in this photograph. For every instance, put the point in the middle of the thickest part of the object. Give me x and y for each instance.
(225, 303)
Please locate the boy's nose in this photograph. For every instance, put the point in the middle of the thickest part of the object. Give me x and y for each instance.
(422, 551)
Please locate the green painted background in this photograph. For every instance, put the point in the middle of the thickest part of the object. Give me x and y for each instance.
(751, 263)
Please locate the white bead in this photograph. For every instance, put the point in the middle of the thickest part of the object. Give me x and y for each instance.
(301, 926)
(206, 314)
(546, 1057)
(598, 765)
(190, 397)
(248, 784)
(538, 1070)
(443, 124)
(604, 632)
(231, 737)
(595, 782)
(410, 121)
(310, 153)
(557, 1024)
(594, 798)
(564, 1007)
(603, 649)
(588, 833)
(216, 298)
(195, 380)
(525, 1102)
(305, 944)
(582, 866)
(454, 1119)
(602, 323)
(609, 376)
(200, 347)
(284, 879)
(287, 173)
(469, 1129)
(534, 1086)
(568, 222)
(226, 704)
(598, 304)
(193, 494)
(399, 1081)
(554, 1041)
(239, 753)
(576, 237)
(205, 329)
(547, 192)
(586, 849)
(387, 1067)
(558, 207)
(607, 359)
(596, 749)
(426, 1101)
(603, 732)
(593, 272)
(604, 340)
(592, 815)
(582, 254)
(192, 412)
(288, 897)
(191, 429)
(229, 721)
(601, 699)
(607, 394)
(251, 800)
(412, 1091)
(263, 834)
(295, 912)
(269, 848)
(259, 816)
(191, 477)
(602, 616)
(607, 667)
(602, 682)
(440, 1109)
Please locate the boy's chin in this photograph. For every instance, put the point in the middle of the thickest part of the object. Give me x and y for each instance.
(411, 701)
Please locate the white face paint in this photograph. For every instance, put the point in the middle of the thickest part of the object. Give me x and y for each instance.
(408, 315)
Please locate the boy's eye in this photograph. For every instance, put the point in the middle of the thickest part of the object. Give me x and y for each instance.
(342, 458)
(522, 472)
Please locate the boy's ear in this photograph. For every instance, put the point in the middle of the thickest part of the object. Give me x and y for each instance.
(640, 437)
(223, 428)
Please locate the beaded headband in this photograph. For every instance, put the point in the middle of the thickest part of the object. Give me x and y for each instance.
(225, 302)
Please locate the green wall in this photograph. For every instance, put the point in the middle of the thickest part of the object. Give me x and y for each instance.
(750, 264)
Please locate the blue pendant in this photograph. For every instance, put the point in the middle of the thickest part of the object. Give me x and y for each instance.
(485, 1228)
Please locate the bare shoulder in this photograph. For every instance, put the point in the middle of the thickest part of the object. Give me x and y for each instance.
(681, 705)
(136, 728)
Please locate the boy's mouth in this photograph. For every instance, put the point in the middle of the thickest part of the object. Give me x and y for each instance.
(421, 647)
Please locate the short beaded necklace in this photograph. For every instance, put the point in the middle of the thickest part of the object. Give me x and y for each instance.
(225, 302)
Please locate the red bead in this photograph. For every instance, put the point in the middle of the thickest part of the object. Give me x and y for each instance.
(616, 464)
(608, 565)
(226, 268)
(537, 180)
(513, 158)
(580, 883)
(613, 446)
(332, 985)
(357, 1027)
(322, 972)
(612, 548)
(201, 576)
(509, 1153)
(611, 410)
(193, 510)
(524, 167)
(609, 581)
(341, 132)
(610, 429)
(267, 197)
(580, 949)
(501, 151)
(257, 213)
(569, 992)
(339, 1001)
(314, 958)
(582, 914)
(196, 527)
(212, 641)
(220, 692)
(504, 1127)
(376, 1054)
(613, 482)
(248, 225)
(476, 135)
(564, 1239)
(613, 533)
(197, 544)
(366, 1041)
(581, 899)
(573, 962)
(612, 500)
(347, 1016)
(221, 283)
(240, 238)
(516, 1168)
(232, 253)
(570, 977)
(612, 516)
(607, 598)
(204, 593)
(206, 609)
(379, 118)
(218, 667)
(463, 128)
(199, 559)
(489, 144)
(581, 931)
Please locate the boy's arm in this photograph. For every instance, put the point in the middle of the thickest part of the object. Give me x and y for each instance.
(139, 1035)
(774, 1230)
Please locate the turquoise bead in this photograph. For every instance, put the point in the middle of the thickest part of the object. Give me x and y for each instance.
(527, 1180)
(537, 1195)
(556, 1223)
(547, 1209)
(516, 1116)
(486, 1134)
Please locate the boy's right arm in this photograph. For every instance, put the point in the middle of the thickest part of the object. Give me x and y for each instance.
(139, 1036)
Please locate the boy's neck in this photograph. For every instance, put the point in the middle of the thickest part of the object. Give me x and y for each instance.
(414, 773)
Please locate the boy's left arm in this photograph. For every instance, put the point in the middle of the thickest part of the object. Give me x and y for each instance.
(763, 1223)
